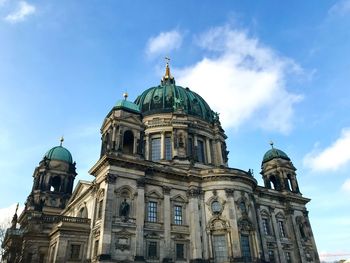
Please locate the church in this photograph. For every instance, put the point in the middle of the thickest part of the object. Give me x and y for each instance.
(162, 191)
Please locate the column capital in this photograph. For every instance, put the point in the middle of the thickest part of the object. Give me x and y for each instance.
(166, 190)
(141, 182)
(194, 193)
(229, 192)
(110, 178)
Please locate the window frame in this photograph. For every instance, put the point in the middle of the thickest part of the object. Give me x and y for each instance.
(178, 218)
(183, 251)
(75, 256)
(156, 243)
(155, 217)
(168, 147)
(156, 154)
(201, 151)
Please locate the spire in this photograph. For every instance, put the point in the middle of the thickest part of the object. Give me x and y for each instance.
(167, 78)
(14, 219)
(271, 143)
(61, 140)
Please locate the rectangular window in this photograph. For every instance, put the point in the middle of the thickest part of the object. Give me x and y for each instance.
(168, 150)
(74, 251)
(245, 248)
(152, 211)
(271, 256)
(178, 215)
(155, 149)
(152, 249)
(200, 151)
(266, 226)
(220, 248)
(180, 253)
(100, 206)
(281, 228)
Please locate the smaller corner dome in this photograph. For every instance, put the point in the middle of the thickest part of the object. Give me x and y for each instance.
(127, 105)
(275, 153)
(59, 153)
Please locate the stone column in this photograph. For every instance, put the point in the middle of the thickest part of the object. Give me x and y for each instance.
(167, 222)
(279, 256)
(140, 219)
(262, 235)
(208, 150)
(219, 152)
(300, 256)
(205, 235)
(113, 136)
(147, 157)
(107, 214)
(195, 237)
(236, 248)
(162, 146)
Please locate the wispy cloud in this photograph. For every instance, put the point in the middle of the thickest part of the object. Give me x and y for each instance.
(332, 157)
(242, 80)
(22, 11)
(346, 186)
(340, 8)
(164, 43)
(2, 2)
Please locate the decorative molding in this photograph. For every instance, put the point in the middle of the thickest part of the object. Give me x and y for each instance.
(141, 182)
(194, 193)
(166, 189)
(110, 178)
(229, 192)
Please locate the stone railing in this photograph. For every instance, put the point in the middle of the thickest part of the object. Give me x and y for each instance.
(58, 218)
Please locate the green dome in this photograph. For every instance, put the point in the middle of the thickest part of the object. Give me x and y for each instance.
(274, 153)
(59, 153)
(127, 105)
(168, 97)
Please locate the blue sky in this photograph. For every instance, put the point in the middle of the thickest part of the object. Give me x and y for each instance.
(275, 70)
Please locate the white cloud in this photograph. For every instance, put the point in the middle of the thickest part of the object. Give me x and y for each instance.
(242, 80)
(22, 11)
(7, 213)
(340, 8)
(346, 186)
(164, 43)
(332, 157)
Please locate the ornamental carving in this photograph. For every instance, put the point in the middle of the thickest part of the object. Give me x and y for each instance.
(110, 178)
(229, 192)
(194, 193)
(141, 182)
(166, 190)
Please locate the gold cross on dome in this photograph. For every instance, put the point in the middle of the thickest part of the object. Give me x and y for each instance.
(61, 140)
(167, 60)
(271, 143)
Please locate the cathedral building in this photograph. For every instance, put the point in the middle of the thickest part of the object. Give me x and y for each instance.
(162, 191)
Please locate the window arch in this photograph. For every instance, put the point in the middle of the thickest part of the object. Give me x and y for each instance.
(55, 184)
(275, 182)
(128, 142)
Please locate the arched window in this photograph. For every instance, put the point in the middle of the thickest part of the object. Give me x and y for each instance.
(289, 180)
(128, 142)
(55, 184)
(275, 182)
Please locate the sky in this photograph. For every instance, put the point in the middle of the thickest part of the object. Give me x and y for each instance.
(274, 70)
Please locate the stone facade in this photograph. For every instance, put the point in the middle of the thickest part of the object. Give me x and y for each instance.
(163, 192)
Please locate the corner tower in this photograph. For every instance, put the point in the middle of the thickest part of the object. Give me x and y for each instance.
(278, 171)
(53, 181)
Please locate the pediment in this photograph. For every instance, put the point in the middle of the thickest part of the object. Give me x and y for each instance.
(81, 187)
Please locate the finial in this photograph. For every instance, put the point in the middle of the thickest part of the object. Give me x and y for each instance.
(17, 208)
(167, 76)
(125, 95)
(271, 143)
(61, 140)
